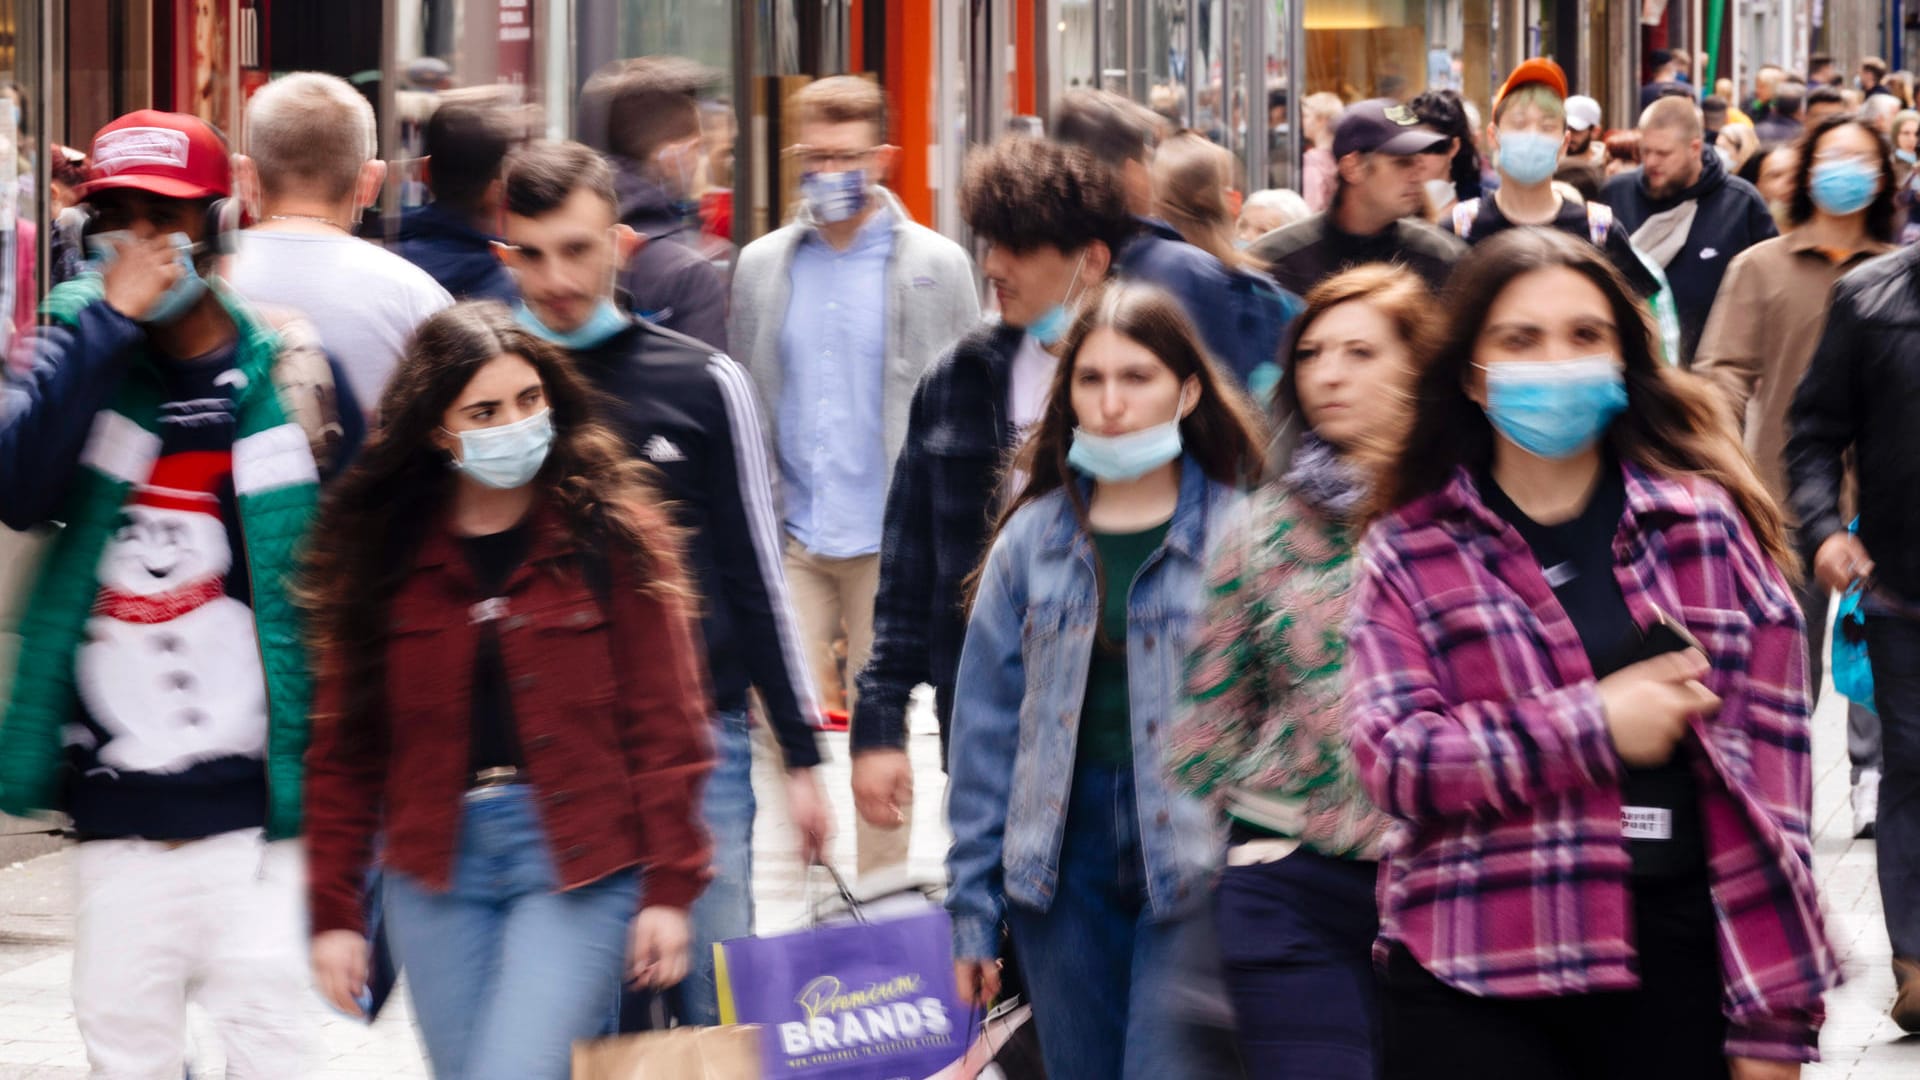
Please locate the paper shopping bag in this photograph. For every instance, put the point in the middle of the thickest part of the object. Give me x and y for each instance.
(682, 1053)
(871, 1000)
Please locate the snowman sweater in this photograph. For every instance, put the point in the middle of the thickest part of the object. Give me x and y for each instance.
(169, 734)
(170, 741)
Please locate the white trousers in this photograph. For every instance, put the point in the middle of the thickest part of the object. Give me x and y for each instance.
(220, 922)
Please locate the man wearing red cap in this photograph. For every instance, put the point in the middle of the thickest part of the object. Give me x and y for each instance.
(162, 693)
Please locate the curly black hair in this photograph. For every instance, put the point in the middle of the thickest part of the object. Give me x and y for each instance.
(1880, 214)
(1023, 193)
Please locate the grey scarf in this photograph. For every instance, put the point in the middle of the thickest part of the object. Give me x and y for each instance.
(1324, 480)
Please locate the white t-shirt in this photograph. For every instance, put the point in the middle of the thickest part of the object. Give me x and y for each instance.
(1027, 386)
(364, 300)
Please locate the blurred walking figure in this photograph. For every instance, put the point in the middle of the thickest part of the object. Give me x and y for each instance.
(311, 154)
(1191, 179)
(452, 237)
(690, 412)
(1240, 317)
(1267, 210)
(180, 439)
(1577, 678)
(1063, 820)
(510, 693)
(1319, 117)
(651, 109)
(837, 316)
(1760, 338)
(1262, 733)
(1856, 402)
(1051, 217)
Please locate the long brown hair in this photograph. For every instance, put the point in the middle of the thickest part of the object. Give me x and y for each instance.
(374, 519)
(1400, 295)
(1222, 434)
(1191, 174)
(1674, 424)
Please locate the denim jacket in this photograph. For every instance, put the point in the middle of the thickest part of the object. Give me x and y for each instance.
(1023, 676)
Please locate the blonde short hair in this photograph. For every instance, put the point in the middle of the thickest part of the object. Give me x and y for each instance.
(842, 99)
(310, 132)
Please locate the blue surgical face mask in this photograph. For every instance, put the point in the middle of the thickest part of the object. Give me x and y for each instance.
(508, 456)
(607, 320)
(833, 197)
(1528, 157)
(1053, 323)
(1118, 458)
(1907, 157)
(1555, 409)
(1845, 186)
(104, 248)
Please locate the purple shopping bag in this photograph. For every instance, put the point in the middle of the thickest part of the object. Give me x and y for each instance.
(871, 1000)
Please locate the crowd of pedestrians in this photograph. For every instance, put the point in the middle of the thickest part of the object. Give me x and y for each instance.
(1392, 609)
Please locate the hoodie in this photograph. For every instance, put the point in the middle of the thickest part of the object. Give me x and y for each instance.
(458, 256)
(672, 284)
(1730, 218)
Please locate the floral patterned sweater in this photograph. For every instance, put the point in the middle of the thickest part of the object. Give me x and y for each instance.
(1261, 733)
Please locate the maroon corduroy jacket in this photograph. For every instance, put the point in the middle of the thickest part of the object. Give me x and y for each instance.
(609, 702)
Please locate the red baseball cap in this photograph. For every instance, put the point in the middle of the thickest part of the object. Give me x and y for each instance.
(1538, 70)
(172, 155)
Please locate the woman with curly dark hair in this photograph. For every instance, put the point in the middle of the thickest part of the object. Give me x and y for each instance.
(1459, 166)
(510, 692)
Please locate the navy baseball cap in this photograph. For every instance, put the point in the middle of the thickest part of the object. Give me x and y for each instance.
(1383, 126)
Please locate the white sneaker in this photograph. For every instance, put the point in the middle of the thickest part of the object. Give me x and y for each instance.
(1866, 803)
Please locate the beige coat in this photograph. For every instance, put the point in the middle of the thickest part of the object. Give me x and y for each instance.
(1766, 321)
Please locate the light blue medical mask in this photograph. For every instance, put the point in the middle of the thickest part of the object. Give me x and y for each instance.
(1053, 323)
(1528, 157)
(1907, 157)
(1118, 458)
(508, 456)
(1555, 410)
(104, 248)
(607, 320)
(1845, 186)
(833, 197)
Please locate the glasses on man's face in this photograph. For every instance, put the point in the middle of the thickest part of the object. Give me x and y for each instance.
(820, 159)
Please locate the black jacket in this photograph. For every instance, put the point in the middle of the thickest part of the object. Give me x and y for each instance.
(457, 255)
(1308, 252)
(1862, 390)
(1731, 218)
(671, 283)
(690, 412)
(940, 509)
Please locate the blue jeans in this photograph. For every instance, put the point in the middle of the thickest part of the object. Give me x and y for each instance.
(1096, 964)
(506, 972)
(1297, 939)
(725, 910)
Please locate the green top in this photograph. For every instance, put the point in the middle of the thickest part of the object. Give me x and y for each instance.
(1106, 724)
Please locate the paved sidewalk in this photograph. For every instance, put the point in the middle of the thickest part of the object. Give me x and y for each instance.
(38, 1040)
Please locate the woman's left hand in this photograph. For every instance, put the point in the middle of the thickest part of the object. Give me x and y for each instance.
(657, 947)
(1743, 1068)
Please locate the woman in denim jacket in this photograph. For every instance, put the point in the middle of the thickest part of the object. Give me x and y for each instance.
(1062, 821)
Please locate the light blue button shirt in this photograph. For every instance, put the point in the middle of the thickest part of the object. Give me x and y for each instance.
(833, 357)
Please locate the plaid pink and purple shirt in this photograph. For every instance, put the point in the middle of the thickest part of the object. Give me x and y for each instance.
(1477, 723)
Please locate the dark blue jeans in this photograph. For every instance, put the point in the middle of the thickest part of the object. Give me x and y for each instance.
(1296, 939)
(1096, 964)
(1893, 647)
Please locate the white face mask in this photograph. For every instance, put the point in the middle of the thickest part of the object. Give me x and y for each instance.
(508, 456)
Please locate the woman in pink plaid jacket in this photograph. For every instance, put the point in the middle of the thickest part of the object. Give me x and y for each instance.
(1577, 681)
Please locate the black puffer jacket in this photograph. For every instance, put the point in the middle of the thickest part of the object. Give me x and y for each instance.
(1863, 390)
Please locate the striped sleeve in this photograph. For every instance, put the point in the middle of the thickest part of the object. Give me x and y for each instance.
(746, 536)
